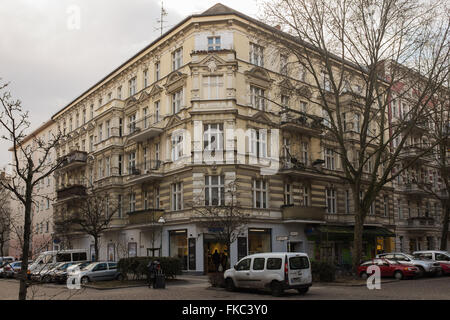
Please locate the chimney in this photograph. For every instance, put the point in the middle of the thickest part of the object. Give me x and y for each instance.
(278, 27)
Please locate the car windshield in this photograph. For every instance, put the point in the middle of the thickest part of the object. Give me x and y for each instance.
(409, 256)
(89, 266)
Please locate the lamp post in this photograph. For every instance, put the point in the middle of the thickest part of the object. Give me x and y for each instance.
(161, 221)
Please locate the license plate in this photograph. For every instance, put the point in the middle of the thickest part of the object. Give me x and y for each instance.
(296, 279)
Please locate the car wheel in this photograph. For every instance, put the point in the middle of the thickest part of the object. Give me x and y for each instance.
(303, 290)
(46, 279)
(84, 280)
(398, 275)
(364, 276)
(229, 285)
(119, 277)
(276, 289)
(421, 271)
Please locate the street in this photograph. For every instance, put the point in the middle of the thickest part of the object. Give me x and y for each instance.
(198, 288)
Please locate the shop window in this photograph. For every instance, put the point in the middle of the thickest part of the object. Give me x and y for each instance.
(178, 246)
(259, 240)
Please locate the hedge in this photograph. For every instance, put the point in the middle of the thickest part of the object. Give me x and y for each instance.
(137, 266)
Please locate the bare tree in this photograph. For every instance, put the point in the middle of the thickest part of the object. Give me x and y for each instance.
(353, 53)
(5, 220)
(91, 212)
(31, 164)
(227, 218)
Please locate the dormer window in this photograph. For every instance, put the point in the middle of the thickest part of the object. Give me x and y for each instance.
(214, 43)
(256, 55)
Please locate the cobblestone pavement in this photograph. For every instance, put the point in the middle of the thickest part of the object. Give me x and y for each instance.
(198, 288)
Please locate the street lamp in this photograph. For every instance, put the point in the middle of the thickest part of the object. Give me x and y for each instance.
(161, 221)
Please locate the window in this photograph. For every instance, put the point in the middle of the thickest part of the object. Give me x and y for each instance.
(119, 92)
(347, 201)
(259, 240)
(131, 162)
(77, 120)
(213, 43)
(306, 196)
(386, 206)
(108, 166)
(372, 208)
(100, 132)
(157, 71)
(145, 196)
(108, 129)
(285, 101)
(110, 96)
(257, 98)
(132, 202)
(326, 118)
(84, 116)
(100, 169)
(357, 125)
(213, 137)
(177, 146)
(132, 123)
(157, 151)
(70, 125)
(212, 86)
(145, 117)
(119, 205)
(243, 265)
(399, 209)
(329, 159)
(120, 127)
(132, 86)
(156, 197)
(286, 148)
(256, 55)
(297, 263)
(258, 264)
(214, 191)
(288, 199)
(120, 162)
(258, 143)
(283, 64)
(176, 101)
(100, 102)
(157, 104)
(177, 59)
(177, 196)
(302, 73)
(326, 85)
(305, 153)
(260, 194)
(331, 200)
(145, 76)
(274, 263)
(91, 111)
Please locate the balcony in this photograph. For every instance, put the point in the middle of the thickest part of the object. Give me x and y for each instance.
(305, 124)
(146, 171)
(145, 129)
(73, 160)
(147, 216)
(304, 214)
(420, 223)
(412, 189)
(411, 153)
(71, 191)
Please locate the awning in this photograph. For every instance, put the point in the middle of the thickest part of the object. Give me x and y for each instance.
(348, 230)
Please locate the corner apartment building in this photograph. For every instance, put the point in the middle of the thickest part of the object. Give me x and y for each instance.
(43, 196)
(199, 108)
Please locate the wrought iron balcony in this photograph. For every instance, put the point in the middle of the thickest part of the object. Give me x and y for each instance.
(145, 171)
(145, 128)
(300, 123)
(72, 160)
(147, 216)
(71, 191)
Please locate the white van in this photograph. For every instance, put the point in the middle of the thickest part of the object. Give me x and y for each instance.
(276, 271)
(49, 257)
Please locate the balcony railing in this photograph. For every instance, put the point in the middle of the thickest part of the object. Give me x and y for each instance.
(309, 213)
(71, 191)
(413, 189)
(421, 222)
(300, 123)
(73, 160)
(147, 216)
(146, 170)
(145, 128)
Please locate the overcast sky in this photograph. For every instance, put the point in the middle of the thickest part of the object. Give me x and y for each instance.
(49, 64)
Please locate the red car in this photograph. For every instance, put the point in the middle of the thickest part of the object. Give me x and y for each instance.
(388, 268)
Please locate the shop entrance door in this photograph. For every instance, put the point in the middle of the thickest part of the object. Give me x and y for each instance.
(215, 255)
(295, 246)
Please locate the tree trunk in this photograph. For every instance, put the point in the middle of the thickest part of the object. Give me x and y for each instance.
(1, 250)
(96, 248)
(445, 222)
(358, 232)
(26, 245)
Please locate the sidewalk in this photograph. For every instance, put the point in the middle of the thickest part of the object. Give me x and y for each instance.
(352, 282)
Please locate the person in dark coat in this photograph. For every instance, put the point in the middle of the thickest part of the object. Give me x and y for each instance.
(216, 259)
(151, 276)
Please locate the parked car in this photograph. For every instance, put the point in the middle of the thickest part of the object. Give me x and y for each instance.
(2, 269)
(3, 260)
(443, 257)
(425, 267)
(59, 274)
(275, 271)
(38, 274)
(98, 271)
(11, 268)
(389, 268)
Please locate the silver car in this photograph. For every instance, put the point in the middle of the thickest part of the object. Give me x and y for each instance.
(98, 271)
(425, 267)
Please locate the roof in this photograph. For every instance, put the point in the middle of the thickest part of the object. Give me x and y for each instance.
(216, 10)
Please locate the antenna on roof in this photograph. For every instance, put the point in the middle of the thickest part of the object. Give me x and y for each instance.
(161, 20)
